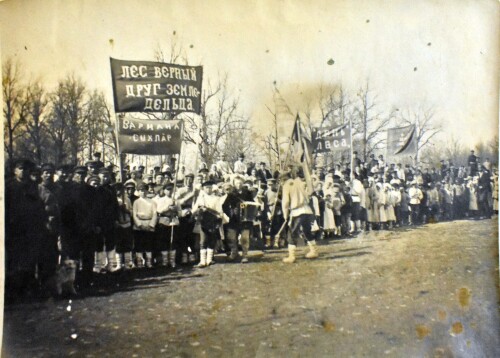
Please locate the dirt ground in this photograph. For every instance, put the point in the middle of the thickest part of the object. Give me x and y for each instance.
(430, 291)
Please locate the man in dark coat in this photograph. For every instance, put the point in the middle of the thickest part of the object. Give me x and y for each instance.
(263, 174)
(484, 191)
(472, 161)
(232, 208)
(108, 205)
(47, 259)
(25, 218)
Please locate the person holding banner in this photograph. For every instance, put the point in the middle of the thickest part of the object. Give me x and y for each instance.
(296, 209)
(145, 218)
(185, 197)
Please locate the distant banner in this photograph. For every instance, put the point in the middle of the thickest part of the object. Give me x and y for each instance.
(326, 140)
(155, 137)
(140, 86)
(401, 141)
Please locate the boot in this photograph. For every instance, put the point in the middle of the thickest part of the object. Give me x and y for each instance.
(171, 258)
(268, 242)
(119, 260)
(203, 258)
(313, 253)
(291, 255)
(149, 259)
(276, 244)
(112, 265)
(210, 257)
(100, 262)
(164, 259)
(245, 244)
(128, 263)
(140, 260)
(233, 244)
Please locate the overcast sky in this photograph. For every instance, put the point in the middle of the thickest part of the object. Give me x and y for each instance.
(429, 53)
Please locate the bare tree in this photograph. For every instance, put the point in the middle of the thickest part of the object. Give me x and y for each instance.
(67, 120)
(99, 126)
(218, 119)
(368, 122)
(493, 146)
(15, 104)
(425, 123)
(35, 141)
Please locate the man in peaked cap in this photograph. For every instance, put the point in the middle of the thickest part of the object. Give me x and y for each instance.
(97, 159)
(108, 215)
(47, 259)
(92, 168)
(24, 222)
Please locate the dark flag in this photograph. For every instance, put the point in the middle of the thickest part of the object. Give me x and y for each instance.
(401, 141)
(143, 86)
(300, 147)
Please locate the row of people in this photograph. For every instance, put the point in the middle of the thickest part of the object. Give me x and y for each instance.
(85, 216)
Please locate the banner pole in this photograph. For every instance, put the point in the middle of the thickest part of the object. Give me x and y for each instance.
(352, 149)
(175, 181)
(284, 167)
(178, 161)
(120, 164)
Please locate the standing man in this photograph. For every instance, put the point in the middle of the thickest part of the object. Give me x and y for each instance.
(232, 208)
(97, 160)
(472, 163)
(223, 166)
(47, 259)
(185, 198)
(24, 220)
(109, 211)
(416, 196)
(263, 173)
(239, 166)
(209, 207)
(295, 204)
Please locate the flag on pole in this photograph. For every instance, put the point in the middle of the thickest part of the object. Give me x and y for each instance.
(401, 141)
(296, 147)
(301, 148)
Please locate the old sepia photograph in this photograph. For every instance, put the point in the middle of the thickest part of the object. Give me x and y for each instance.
(255, 178)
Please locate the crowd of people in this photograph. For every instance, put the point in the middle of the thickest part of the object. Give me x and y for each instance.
(86, 220)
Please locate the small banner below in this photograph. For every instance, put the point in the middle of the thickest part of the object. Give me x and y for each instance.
(154, 137)
(142, 86)
(325, 140)
(401, 141)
